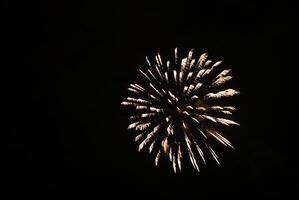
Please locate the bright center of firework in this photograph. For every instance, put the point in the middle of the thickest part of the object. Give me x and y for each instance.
(177, 109)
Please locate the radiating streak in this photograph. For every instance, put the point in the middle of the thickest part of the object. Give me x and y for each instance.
(227, 122)
(183, 64)
(142, 126)
(175, 75)
(157, 128)
(148, 62)
(190, 107)
(199, 74)
(138, 86)
(143, 144)
(226, 112)
(230, 108)
(189, 76)
(160, 60)
(174, 162)
(220, 139)
(194, 97)
(185, 89)
(201, 109)
(200, 152)
(221, 109)
(138, 137)
(207, 64)
(189, 150)
(144, 74)
(198, 85)
(196, 120)
(191, 155)
(157, 61)
(168, 65)
(158, 157)
(179, 157)
(179, 151)
(213, 154)
(223, 73)
(166, 77)
(189, 57)
(190, 88)
(158, 110)
(138, 100)
(153, 97)
(173, 96)
(133, 90)
(206, 72)
(152, 146)
(141, 107)
(184, 125)
(221, 80)
(176, 55)
(181, 77)
(164, 91)
(224, 108)
(209, 118)
(170, 153)
(202, 133)
(202, 59)
(224, 139)
(134, 117)
(159, 72)
(125, 103)
(216, 64)
(186, 113)
(221, 94)
(192, 63)
(156, 90)
(148, 114)
(133, 125)
(149, 137)
(151, 73)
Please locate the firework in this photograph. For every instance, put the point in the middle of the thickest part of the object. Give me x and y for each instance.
(181, 107)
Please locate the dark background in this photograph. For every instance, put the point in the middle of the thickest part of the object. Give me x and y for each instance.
(65, 69)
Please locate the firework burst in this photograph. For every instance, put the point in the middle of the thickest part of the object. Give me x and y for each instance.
(180, 108)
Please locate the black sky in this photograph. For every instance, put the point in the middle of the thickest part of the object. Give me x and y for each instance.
(66, 67)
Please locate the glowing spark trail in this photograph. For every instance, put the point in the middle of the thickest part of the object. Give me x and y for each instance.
(178, 109)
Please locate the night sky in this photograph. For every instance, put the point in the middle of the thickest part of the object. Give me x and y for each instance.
(66, 68)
